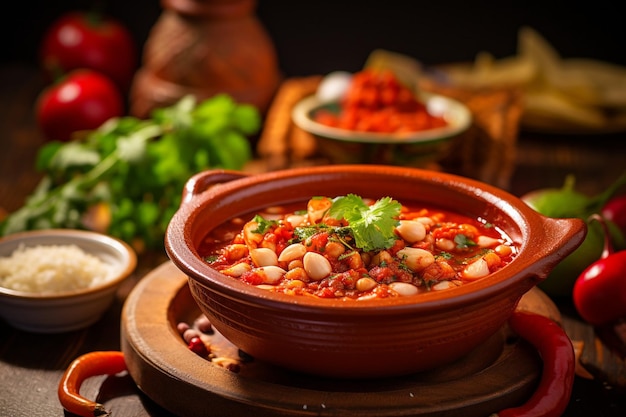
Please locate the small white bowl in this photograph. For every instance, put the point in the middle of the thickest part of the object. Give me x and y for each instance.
(68, 310)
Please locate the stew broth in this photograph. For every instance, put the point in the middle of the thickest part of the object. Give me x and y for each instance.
(300, 249)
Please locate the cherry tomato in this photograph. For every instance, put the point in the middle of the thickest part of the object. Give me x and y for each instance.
(83, 100)
(88, 40)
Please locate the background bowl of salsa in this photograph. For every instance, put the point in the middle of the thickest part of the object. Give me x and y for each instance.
(380, 120)
(378, 337)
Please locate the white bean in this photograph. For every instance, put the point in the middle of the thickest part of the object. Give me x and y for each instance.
(316, 266)
(503, 250)
(266, 287)
(427, 221)
(235, 251)
(292, 252)
(297, 274)
(411, 231)
(295, 219)
(270, 274)
(442, 285)
(416, 259)
(445, 244)
(404, 288)
(264, 257)
(296, 263)
(487, 242)
(476, 269)
(365, 284)
(237, 270)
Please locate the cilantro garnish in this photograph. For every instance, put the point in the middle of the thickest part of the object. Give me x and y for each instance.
(445, 255)
(463, 242)
(373, 225)
(263, 225)
(305, 233)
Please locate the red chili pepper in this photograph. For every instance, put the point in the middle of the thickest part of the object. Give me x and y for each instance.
(599, 292)
(557, 353)
(83, 367)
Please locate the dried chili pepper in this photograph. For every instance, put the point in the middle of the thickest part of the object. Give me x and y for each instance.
(83, 367)
(555, 348)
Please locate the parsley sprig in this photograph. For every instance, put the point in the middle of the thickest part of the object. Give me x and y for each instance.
(136, 168)
(372, 226)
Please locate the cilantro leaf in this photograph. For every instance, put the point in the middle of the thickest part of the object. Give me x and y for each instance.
(301, 234)
(463, 242)
(373, 226)
(347, 207)
(263, 225)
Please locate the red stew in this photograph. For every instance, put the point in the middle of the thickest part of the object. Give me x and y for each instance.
(380, 249)
(377, 101)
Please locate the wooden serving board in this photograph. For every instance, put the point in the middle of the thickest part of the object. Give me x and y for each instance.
(501, 373)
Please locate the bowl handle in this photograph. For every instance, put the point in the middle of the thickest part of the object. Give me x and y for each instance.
(204, 180)
(559, 238)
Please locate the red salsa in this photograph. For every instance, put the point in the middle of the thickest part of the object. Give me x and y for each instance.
(377, 101)
(355, 248)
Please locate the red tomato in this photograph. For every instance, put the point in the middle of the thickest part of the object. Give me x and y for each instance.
(82, 100)
(86, 40)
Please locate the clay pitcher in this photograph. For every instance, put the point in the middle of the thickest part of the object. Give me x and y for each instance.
(205, 47)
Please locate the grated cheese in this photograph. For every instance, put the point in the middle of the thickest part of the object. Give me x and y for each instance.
(52, 269)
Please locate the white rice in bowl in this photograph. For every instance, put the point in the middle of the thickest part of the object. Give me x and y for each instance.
(52, 269)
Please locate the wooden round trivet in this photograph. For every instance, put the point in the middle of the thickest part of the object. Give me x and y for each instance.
(501, 373)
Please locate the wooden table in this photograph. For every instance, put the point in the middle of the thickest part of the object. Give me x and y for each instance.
(31, 365)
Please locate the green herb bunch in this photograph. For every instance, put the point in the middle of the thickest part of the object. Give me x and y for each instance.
(136, 168)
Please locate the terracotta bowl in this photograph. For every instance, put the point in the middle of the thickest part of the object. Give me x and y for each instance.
(374, 338)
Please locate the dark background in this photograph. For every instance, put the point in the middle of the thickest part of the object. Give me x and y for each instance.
(316, 37)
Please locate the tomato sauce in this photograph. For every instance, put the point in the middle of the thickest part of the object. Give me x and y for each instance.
(306, 250)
